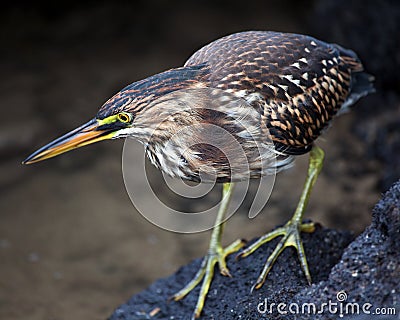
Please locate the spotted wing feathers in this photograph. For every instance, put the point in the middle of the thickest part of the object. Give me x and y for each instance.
(297, 83)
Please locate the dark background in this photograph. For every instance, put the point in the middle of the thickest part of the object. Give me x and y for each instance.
(72, 246)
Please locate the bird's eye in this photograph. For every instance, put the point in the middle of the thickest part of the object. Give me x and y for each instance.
(124, 117)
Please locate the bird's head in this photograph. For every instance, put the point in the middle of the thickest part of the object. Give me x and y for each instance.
(129, 113)
(97, 129)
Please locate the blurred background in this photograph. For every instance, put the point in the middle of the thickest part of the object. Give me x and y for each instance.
(72, 246)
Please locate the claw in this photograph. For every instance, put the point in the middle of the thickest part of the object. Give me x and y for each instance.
(216, 254)
(290, 238)
(290, 232)
(206, 273)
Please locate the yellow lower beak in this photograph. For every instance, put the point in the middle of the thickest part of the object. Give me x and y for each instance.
(84, 135)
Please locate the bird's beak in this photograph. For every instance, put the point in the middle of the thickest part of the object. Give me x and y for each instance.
(86, 134)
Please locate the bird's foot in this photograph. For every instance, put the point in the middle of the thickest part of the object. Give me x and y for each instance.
(216, 254)
(290, 233)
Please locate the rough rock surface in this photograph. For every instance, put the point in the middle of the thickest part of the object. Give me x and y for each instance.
(366, 272)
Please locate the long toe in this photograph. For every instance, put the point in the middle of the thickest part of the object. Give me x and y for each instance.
(290, 234)
(205, 274)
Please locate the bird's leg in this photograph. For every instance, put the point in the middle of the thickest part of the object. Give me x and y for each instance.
(215, 254)
(290, 232)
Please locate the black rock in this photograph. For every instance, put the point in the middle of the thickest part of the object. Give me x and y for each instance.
(365, 274)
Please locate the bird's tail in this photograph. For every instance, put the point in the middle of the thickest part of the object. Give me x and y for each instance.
(362, 83)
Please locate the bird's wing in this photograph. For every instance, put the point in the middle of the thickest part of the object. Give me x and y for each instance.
(298, 83)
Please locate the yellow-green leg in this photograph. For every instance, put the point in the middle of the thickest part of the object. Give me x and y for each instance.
(290, 232)
(215, 254)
